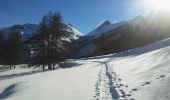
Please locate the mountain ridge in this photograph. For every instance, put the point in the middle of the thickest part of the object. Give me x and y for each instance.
(134, 33)
(30, 30)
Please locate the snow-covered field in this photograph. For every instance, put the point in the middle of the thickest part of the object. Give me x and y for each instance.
(142, 75)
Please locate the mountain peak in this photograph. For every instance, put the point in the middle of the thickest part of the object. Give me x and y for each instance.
(104, 24)
(105, 27)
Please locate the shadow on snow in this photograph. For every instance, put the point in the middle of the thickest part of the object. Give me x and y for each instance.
(8, 91)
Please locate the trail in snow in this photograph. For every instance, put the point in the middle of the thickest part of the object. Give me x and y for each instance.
(109, 87)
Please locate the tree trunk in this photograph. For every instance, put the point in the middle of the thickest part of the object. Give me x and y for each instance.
(43, 53)
(53, 66)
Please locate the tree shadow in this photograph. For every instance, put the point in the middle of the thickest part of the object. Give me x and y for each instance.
(10, 76)
(70, 64)
(8, 91)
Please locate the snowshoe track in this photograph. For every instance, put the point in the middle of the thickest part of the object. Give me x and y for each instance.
(108, 86)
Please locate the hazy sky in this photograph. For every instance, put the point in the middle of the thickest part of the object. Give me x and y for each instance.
(84, 15)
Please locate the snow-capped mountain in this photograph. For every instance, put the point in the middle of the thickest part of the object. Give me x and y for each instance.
(112, 38)
(104, 27)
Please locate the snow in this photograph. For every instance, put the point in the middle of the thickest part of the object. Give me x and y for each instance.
(141, 74)
(73, 34)
(53, 85)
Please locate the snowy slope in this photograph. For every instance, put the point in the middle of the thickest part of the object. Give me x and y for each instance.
(75, 31)
(143, 75)
(147, 76)
(73, 34)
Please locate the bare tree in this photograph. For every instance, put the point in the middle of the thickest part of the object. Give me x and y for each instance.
(14, 48)
(50, 45)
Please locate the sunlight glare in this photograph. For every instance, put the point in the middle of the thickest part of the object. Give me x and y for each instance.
(157, 4)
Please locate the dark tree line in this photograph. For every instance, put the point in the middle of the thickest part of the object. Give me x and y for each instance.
(12, 49)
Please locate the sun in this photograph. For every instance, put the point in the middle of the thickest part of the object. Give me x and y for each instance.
(160, 4)
(157, 4)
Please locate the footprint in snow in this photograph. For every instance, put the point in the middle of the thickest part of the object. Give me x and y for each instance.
(128, 95)
(122, 92)
(135, 89)
(146, 83)
(119, 79)
(126, 85)
(121, 85)
(161, 76)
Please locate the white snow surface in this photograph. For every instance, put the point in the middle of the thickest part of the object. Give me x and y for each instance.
(141, 74)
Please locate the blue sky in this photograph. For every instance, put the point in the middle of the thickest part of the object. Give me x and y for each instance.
(84, 15)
